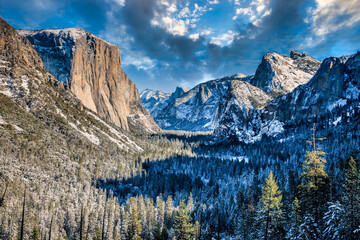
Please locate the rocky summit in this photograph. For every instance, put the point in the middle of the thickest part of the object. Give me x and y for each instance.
(91, 68)
(278, 74)
(217, 103)
(330, 97)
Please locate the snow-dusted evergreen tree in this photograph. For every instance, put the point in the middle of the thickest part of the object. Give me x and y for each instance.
(184, 228)
(169, 208)
(134, 227)
(313, 193)
(295, 219)
(351, 201)
(333, 222)
(270, 213)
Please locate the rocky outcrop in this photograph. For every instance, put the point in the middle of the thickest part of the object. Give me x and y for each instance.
(91, 68)
(34, 103)
(234, 108)
(194, 110)
(278, 74)
(328, 98)
(154, 101)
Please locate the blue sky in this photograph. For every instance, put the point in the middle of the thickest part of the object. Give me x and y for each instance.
(169, 43)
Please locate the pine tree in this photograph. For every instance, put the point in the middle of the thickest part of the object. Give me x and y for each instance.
(134, 228)
(314, 187)
(161, 213)
(190, 203)
(270, 212)
(164, 233)
(351, 201)
(183, 227)
(169, 207)
(313, 194)
(332, 218)
(157, 232)
(97, 235)
(35, 235)
(295, 220)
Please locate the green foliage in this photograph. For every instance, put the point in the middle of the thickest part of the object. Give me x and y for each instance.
(183, 227)
(314, 173)
(134, 229)
(314, 189)
(270, 214)
(351, 201)
(35, 235)
(97, 235)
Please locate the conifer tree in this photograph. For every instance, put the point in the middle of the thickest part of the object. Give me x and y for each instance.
(169, 206)
(97, 235)
(157, 232)
(183, 227)
(35, 235)
(351, 201)
(134, 228)
(295, 218)
(313, 193)
(314, 187)
(270, 212)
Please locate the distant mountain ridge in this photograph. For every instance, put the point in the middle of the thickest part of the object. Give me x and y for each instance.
(91, 68)
(155, 101)
(208, 104)
(330, 97)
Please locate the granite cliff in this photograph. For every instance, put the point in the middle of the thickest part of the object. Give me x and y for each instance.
(91, 68)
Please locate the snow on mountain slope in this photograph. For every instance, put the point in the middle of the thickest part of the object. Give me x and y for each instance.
(154, 101)
(41, 100)
(278, 74)
(234, 107)
(332, 95)
(194, 110)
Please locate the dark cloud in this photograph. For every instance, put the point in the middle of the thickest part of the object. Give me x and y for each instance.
(176, 60)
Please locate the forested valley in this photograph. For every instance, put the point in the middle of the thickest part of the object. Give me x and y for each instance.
(186, 186)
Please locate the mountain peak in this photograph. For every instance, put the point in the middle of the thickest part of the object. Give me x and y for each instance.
(278, 74)
(295, 55)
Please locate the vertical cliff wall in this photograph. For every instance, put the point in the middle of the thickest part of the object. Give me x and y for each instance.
(91, 68)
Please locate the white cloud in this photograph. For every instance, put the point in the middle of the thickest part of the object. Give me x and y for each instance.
(224, 39)
(213, 1)
(171, 25)
(194, 36)
(179, 17)
(139, 61)
(332, 15)
(255, 11)
(120, 2)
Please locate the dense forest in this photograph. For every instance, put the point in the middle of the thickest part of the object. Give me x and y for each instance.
(303, 186)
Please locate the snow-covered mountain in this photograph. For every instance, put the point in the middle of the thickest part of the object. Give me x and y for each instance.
(211, 104)
(328, 98)
(155, 101)
(194, 110)
(91, 68)
(278, 74)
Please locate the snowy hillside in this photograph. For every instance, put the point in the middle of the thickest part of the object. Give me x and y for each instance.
(329, 97)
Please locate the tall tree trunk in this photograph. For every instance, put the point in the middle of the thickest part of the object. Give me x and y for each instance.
(103, 224)
(268, 217)
(23, 218)
(81, 223)
(51, 222)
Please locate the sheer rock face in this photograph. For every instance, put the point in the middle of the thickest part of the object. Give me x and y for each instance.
(193, 110)
(234, 108)
(330, 97)
(91, 68)
(278, 74)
